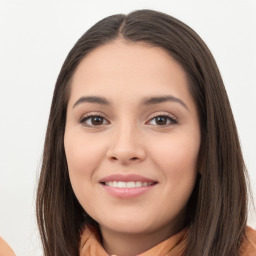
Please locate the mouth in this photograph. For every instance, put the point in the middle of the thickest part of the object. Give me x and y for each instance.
(127, 186)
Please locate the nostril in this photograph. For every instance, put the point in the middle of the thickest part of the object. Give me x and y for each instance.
(114, 158)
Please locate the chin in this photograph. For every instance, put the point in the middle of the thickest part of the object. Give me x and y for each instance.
(130, 229)
(129, 225)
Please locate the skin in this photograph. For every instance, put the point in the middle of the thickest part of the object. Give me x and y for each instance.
(127, 138)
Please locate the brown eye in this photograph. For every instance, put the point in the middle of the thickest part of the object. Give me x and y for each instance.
(97, 120)
(162, 121)
(93, 121)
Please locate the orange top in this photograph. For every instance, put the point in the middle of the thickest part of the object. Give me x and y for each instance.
(5, 249)
(248, 248)
(173, 246)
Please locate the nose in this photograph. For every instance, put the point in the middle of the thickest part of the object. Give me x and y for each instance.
(126, 146)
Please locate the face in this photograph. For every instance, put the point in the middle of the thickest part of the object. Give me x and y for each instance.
(132, 138)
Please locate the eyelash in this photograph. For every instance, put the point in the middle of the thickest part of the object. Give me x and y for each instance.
(88, 117)
(170, 120)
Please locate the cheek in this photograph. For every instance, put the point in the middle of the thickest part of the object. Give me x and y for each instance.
(177, 153)
(176, 157)
(81, 151)
(83, 157)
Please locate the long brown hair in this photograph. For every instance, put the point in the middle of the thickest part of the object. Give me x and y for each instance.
(217, 209)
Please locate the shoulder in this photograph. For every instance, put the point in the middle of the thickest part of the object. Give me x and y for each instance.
(248, 247)
(5, 249)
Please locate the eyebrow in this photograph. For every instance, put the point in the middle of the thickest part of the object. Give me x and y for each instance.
(162, 99)
(145, 101)
(92, 99)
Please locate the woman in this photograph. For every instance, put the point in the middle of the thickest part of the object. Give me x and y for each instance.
(141, 153)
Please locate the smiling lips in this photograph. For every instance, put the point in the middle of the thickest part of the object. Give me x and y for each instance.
(127, 186)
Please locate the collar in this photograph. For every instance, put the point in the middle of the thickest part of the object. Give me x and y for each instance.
(173, 246)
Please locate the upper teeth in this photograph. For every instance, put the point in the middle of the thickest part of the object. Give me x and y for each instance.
(130, 184)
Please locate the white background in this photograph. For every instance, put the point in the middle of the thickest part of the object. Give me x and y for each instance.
(35, 37)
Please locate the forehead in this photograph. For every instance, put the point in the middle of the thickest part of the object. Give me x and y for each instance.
(121, 55)
(133, 68)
